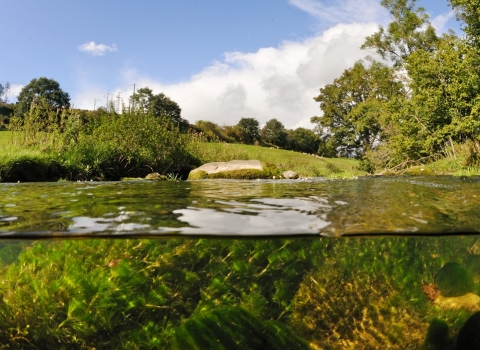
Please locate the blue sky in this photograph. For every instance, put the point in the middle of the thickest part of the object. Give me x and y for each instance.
(220, 60)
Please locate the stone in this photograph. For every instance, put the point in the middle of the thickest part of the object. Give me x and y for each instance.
(154, 176)
(290, 175)
(454, 280)
(239, 169)
(469, 301)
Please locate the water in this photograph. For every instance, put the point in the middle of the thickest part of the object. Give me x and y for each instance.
(344, 264)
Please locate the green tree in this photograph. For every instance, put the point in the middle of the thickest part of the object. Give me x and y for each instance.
(236, 134)
(304, 140)
(37, 89)
(468, 11)
(274, 132)
(252, 128)
(410, 30)
(159, 105)
(443, 104)
(353, 109)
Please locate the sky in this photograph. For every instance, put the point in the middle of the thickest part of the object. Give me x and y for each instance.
(219, 60)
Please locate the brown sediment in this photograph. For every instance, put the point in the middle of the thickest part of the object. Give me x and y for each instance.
(431, 291)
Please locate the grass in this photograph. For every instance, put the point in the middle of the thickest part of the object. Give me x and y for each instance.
(304, 164)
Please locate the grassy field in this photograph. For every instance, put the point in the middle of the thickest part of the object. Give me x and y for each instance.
(305, 165)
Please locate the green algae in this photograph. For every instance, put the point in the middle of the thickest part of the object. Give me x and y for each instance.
(454, 280)
(343, 293)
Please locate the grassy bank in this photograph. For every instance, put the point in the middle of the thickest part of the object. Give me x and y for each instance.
(96, 158)
(457, 160)
(305, 165)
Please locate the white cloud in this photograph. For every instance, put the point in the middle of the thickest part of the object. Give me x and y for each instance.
(270, 83)
(273, 82)
(97, 49)
(343, 11)
(13, 92)
(439, 22)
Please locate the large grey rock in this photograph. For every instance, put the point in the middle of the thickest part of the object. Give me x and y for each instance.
(218, 167)
(290, 174)
(230, 167)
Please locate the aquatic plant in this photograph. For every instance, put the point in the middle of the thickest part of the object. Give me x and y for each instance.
(234, 328)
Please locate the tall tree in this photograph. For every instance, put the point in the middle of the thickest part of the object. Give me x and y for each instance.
(159, 105)
(47, 89)
(251, 127)
(408, 31)
(353, 108)
(274, 132)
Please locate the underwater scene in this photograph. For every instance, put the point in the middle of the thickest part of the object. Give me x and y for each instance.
(370, 263)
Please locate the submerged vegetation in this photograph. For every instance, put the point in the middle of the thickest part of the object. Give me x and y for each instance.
(182, 293)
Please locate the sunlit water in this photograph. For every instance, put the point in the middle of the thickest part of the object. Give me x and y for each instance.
(440, 205)
(340, 264)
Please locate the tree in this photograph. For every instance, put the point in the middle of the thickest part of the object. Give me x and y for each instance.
(468, 11)
(304, 140)
(274, 132)
(48, 89)
(353, 107)
(159, 105)
(252, 128)
(410, 30)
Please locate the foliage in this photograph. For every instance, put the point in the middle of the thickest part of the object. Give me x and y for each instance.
(354, 107)
(468, 12)
(409, 31)
(274, 132)
(48, 89)
(303, 140)
(234, 328)
(108, 147)
(251, 127)
(158, 105)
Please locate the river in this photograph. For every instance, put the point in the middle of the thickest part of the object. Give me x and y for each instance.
(375, 262)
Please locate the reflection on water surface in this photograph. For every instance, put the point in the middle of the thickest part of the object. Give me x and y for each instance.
(330, 208)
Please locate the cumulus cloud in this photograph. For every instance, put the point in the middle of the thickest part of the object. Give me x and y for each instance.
(97, 49)
(270, 83)
(274, 82)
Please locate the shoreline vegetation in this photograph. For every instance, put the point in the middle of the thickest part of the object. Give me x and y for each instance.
(47, 157)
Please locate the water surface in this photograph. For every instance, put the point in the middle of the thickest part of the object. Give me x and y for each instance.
(429, 205)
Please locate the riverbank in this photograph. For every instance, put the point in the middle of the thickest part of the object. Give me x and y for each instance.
(42, 162)
(39, 162)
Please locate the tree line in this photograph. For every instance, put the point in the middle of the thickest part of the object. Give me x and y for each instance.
(419, 102)
(247, 130)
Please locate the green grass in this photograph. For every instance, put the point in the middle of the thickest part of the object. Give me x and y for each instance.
(303, 164)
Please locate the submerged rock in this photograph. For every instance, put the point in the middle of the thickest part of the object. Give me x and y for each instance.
(454, 280)
(437, 336)
(468, 301)
(290, 174)
(235, 169)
